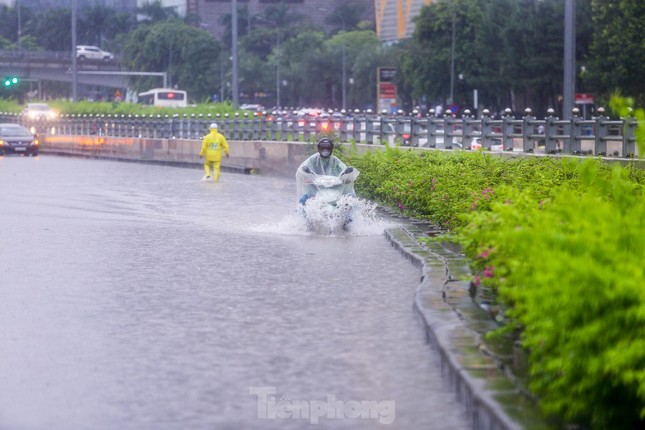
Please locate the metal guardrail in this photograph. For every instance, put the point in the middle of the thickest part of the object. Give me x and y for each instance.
(577, 136)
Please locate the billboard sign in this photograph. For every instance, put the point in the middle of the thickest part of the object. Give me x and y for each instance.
(386, 89)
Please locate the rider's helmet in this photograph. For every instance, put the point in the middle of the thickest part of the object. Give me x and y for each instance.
(325, 147)
(213, 126)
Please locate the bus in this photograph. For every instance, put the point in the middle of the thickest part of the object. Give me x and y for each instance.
(163, 97)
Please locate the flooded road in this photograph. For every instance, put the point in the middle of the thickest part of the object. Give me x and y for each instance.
(136, 296)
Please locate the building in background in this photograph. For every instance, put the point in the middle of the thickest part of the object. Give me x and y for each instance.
(395, 18)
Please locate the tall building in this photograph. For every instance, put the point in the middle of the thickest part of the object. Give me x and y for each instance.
(395, 18)
(212, 12)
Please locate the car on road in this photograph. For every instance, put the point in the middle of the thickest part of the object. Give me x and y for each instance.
(16, 139)
(39, 111)
(88, 52)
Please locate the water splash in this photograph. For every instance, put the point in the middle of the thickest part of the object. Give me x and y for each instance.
(316, 219)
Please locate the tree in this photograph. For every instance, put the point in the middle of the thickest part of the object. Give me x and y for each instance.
(189, 55)
(363, 54)
(617, 52)
(51, 28)
(99, 23)
(305, 70)
(154, 12)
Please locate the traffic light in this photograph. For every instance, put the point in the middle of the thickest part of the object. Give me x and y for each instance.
(11, 80)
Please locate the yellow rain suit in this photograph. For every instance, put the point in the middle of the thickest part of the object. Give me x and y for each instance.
(212, 146)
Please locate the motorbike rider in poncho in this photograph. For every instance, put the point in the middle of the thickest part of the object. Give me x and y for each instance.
(323, 163)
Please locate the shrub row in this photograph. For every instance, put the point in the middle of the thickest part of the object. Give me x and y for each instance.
(562, 243)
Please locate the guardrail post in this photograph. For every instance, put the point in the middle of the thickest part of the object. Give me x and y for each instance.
(629, 139)
(575, 133)
(109, 125)
(468, 129)
(433, 126)
(601, 132)
(236, 126)
(449, 134)
(507, 130)
(418, 128)
(486, 129)
(245, 126)
(527, 131)
(184, 126)
(551, 144)
(399, 128)
(370, 127)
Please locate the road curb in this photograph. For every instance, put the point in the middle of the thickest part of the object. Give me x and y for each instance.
(454, 327)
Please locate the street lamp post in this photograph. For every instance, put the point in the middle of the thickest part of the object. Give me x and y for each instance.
(277, 69)
(74, 59)
(236, 101)
(569, 58)
(452, 58)
(19, 26)
(344, 86)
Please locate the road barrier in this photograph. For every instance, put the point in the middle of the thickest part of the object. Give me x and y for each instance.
(551, 135)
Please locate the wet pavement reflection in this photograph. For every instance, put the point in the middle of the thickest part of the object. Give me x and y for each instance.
(135, 296)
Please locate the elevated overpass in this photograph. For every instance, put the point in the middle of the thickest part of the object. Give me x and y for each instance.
(57, 66)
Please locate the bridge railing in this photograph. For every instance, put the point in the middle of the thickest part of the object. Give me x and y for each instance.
(36, 55)
(551, 135)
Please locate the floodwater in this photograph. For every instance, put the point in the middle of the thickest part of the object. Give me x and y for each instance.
(136, 296)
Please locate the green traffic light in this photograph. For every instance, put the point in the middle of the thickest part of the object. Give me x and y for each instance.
(14, 80)
(7, 82)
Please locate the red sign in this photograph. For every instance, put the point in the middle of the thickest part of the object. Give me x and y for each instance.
(584, 99)
(386, 90)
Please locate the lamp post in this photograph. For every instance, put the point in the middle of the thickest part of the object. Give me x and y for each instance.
(278, 54)
(344, 86)
(452, 58)
(19, 25)
(236, 100)
(74, 59)
(569, 58)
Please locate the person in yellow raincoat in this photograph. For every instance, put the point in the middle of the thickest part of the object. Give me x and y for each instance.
(212, 146)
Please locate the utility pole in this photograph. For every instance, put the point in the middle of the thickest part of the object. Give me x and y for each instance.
(452, 57)
(569, 81)
(74, 69)
(236, 99)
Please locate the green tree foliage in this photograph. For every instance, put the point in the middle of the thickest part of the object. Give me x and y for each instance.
(51, 27)
(189, 55)
(511, 51)
(99, 24)
(363, 54)
(306, 72)
(9, 23)
(154, 12)
(617, 52)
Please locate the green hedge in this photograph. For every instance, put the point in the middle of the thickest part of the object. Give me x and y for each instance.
(122, 108)
(562, 244)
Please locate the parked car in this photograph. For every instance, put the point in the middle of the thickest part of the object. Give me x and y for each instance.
(16, 139)
(478, 143)
(39, 111)
(86, 52)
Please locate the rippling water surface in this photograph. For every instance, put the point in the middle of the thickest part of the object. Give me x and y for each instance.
(138, 297)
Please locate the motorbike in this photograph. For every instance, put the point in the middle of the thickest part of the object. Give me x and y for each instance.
(330, 210)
